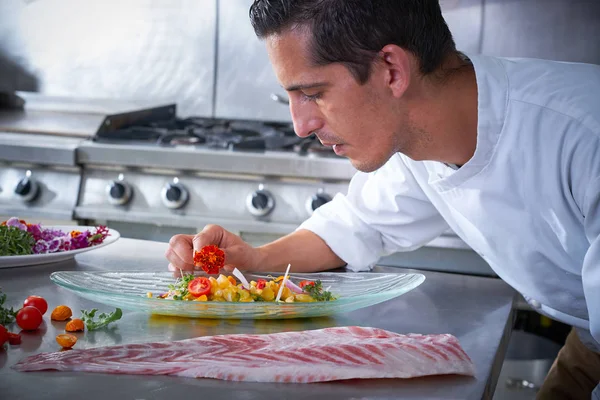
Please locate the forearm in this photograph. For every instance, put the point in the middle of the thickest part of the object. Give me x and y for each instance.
(303, 249)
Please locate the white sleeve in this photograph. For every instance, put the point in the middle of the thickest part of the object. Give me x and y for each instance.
(590, 273)
(384, 211)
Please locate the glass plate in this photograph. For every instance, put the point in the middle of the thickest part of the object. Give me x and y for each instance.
(128, 290)
(37, 259)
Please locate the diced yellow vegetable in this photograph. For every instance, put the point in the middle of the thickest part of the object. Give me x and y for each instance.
(214, 286)
(303, 298)
(189, 296)
(149, 295)
(201, 298)
(289, 299)
(267, 294)
(231, 295)
(285, 293)
(223, 282)
(248, 300)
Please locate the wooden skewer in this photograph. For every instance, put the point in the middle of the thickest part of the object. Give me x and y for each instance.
(283, 283)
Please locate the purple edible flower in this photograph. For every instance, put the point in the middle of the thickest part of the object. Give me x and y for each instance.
(66, 244)
(40, 247)
(49, 234)
(80, 241)
(54, 245)
(14, 221)
(35, 230)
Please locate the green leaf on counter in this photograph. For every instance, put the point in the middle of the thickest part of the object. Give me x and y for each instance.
(7, 315)
(103, 318)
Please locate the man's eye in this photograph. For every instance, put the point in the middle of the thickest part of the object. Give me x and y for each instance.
(312, 97)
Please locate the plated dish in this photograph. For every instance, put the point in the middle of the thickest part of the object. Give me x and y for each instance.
(46, 258)
(129, 290)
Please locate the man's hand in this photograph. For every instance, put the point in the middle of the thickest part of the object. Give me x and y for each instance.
(238, 254)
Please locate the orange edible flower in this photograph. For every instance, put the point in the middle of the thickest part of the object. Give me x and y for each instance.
(75, 233)
(210, 258)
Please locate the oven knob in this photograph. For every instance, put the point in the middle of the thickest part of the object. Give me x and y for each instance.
(174, 195)
(119, 192)
(27, 188)
(317, 200)
(260, 202)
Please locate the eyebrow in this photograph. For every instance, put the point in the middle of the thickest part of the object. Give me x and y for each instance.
(302, 86)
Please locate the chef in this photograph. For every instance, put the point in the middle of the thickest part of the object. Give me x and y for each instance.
(505, 152)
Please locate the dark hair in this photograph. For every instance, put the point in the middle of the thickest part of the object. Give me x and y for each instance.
(352, 32)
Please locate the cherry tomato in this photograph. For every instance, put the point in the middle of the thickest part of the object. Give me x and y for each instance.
(199, 286)
(304, 283)
(261, 283)
(37, 302)
(3, 335)
(29, 318)
(66, 340)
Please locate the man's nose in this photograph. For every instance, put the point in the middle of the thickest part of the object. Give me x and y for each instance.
(305, 120)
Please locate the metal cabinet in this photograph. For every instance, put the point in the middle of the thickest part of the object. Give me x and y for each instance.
(158, 50)
(246, 83)
(565, 30)
(245, 79)
(464, 19)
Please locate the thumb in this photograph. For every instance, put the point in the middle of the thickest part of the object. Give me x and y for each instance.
(211, 234)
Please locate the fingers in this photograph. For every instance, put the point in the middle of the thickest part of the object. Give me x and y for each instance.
(177, 272)
(182, 247)
(179, 253)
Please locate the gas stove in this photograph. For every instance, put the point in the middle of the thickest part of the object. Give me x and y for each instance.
(39, 179)
(217, 134)
(162, 176)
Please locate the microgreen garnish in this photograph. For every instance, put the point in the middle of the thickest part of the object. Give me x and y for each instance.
(316, 291)
(180, 287)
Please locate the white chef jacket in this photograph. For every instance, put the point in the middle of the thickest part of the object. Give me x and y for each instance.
(528, 201)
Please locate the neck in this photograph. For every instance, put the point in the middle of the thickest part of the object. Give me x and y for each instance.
(447, 109)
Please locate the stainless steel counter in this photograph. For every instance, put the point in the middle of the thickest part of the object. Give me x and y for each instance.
(477, 310)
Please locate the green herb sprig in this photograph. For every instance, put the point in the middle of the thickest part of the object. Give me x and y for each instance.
(7, 315)
(15, 242)
(103, 318)
(315, 290)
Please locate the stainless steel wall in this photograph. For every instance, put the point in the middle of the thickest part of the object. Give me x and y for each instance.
(133, 49)
(203, 53)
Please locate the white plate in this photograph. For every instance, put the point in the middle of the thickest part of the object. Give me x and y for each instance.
(37, 259)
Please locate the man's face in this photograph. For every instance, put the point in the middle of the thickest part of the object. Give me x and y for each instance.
(361, 122)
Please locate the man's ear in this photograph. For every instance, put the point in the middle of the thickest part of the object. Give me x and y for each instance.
(397, 66)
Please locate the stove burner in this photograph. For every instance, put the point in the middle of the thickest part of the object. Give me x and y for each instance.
(218, 134)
